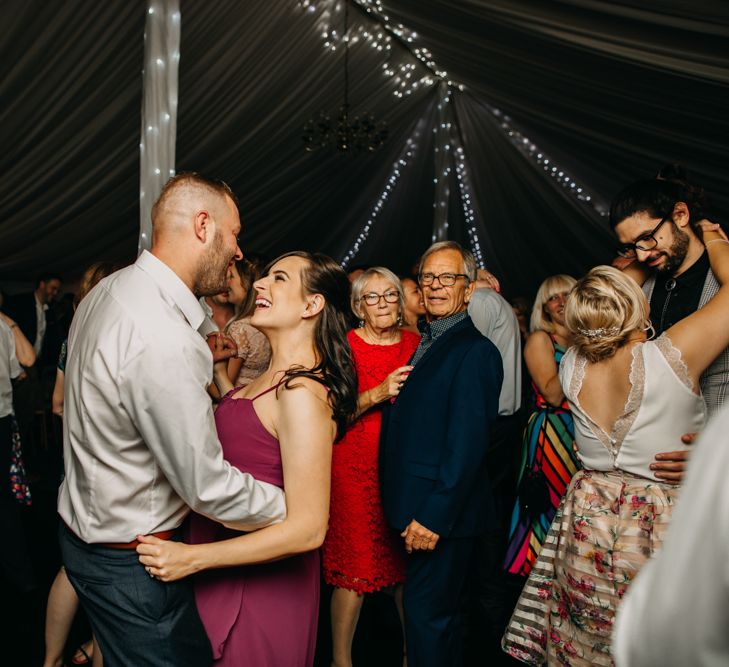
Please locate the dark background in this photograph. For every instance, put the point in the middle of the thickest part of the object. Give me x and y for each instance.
(609, 90)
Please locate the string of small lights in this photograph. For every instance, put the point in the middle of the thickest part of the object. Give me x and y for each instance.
(159, 108)
(408, 76)
(380, 34)
(449, 149)
(530, 149)
(406, 155)
(464, 185)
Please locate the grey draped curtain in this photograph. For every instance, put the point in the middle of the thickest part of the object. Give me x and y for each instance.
(611, 90)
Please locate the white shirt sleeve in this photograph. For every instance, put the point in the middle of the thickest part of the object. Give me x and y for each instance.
(166, 399)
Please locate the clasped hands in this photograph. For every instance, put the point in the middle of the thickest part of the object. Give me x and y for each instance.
(223, 347)
(419, 538)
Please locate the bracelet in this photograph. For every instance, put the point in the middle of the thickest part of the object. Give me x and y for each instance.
(716, 241)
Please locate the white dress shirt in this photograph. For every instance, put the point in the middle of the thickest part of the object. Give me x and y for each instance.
(208, 326)
(9, 369)
(40, 320)
(676, 611)
(140, 445)
(495, 318)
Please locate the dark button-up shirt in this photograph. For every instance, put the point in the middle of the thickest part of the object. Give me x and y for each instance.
(431, 331)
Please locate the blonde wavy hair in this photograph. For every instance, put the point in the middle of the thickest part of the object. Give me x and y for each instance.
(540, 319)
(604, 308)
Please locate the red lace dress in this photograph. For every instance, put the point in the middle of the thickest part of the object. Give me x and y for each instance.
(361, 552)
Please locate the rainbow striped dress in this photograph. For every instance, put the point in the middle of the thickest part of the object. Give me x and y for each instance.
(549, 454)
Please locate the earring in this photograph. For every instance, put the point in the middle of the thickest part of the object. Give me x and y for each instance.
(399, 319)
(361, 324)
(649, 328)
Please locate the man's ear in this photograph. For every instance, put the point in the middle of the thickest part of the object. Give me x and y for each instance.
(681, 214)
(314, 305)
(469, 291)
(204, 226)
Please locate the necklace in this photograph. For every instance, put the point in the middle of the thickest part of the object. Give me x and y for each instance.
(669, 287)
(372, 340)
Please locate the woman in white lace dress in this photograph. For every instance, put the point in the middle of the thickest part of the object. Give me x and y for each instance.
(631, 398)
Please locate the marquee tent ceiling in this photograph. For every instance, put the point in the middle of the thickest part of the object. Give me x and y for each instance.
(609, 90)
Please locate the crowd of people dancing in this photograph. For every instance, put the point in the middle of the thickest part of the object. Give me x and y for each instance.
(237, 430)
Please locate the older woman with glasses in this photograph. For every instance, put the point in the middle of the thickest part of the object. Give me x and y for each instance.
(361, 554)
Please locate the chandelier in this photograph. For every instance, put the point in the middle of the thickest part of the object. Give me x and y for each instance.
(344, 132)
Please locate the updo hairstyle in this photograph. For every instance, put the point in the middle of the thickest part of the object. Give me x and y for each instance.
(603, 309)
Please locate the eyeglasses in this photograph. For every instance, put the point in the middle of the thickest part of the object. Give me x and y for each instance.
(445, 279)
(646, 242)
(372, 298)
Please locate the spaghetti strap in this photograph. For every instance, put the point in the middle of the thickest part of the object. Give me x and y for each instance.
(265, 391)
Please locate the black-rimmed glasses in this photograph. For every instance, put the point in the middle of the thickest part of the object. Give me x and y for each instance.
(646, 242)
(372, 298)
(445, 279)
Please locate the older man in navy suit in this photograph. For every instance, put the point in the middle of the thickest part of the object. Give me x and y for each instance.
(435, 437)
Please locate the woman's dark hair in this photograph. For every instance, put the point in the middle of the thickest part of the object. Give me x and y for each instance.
(335, 369)
(657, 197)
(693, 195)
(654, 197)
(249, 270)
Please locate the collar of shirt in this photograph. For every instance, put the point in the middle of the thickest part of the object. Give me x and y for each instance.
(207, 309)
(172, 287)
(435, 329)
(696, 273)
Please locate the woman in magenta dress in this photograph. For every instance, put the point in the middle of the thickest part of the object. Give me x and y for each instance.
(361, 553)
(258, 593)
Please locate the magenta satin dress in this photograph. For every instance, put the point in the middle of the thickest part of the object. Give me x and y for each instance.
(255, 615)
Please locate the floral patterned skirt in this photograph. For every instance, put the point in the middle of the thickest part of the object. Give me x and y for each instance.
(608, 525)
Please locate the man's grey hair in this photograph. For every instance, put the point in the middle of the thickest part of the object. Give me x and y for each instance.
(469, 263)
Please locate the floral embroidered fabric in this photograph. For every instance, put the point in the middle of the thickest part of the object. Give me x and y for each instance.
(19, 488)
(361, 552)
(613, 516)
(607, 527)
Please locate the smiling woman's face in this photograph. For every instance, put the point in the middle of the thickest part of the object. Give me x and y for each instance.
(280, 300)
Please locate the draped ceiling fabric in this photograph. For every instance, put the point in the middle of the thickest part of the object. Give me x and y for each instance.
(609, 90)
(159, 108)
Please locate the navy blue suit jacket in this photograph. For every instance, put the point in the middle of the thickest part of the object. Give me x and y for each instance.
(435, 435)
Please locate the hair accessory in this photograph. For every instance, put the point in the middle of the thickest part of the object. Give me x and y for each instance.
(599, 333)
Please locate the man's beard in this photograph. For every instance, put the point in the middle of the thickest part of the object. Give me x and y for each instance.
(676, 253)
(212, 275)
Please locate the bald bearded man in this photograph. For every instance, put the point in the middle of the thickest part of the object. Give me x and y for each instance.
(140, 445)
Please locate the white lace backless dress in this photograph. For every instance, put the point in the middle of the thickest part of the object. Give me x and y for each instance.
(613, 516)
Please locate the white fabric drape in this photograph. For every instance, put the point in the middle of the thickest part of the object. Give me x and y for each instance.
(159, 108)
